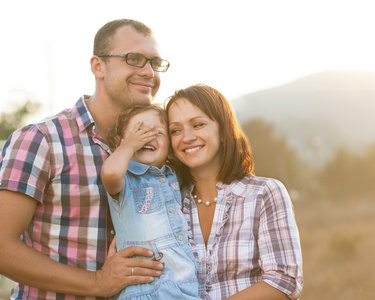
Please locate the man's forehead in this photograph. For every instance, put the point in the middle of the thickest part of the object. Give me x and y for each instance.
(127, 39)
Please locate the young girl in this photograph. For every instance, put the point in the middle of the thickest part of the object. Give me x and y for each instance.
(145, 203)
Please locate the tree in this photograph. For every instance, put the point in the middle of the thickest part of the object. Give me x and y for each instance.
(273, 157)
(349, 173)
(9, 122)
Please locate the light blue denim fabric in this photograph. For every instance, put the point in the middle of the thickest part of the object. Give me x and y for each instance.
(148, 214)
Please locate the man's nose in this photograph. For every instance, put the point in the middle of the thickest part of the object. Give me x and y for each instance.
(147, 69)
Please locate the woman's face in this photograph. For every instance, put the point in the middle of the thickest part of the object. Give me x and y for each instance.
(195, 137)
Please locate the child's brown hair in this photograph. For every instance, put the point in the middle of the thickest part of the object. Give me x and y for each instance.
(116, 134)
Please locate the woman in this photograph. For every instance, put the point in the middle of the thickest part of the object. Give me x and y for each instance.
(243, 232)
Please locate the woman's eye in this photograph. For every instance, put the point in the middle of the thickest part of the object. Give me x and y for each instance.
(173, 131)
(198, 125)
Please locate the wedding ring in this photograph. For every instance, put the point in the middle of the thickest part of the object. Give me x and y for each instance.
(132, 271)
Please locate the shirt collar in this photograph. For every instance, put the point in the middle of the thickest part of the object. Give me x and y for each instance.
(235, 187)
(139, 169)
(82, 114)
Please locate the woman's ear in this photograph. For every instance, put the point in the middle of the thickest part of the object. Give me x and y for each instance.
(97, 67)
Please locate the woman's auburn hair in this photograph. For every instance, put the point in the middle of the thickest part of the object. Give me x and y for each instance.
(236, 155)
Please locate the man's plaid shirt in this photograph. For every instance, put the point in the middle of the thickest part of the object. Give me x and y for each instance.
(57, 162)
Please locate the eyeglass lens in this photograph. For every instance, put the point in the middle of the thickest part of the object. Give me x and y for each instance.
(138, 60)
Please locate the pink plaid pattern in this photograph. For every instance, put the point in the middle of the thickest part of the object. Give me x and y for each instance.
(57, 162)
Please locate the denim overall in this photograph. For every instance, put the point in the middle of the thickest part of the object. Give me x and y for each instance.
(148, 214)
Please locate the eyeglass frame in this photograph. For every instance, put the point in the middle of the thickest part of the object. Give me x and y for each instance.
(147, 60)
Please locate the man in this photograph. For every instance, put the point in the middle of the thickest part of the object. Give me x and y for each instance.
(50, 189)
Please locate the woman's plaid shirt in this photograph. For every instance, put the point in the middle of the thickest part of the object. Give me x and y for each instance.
(254, 237)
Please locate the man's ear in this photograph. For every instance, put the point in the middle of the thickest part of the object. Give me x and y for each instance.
(97, 67)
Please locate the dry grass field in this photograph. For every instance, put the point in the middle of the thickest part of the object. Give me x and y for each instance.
(338, 245)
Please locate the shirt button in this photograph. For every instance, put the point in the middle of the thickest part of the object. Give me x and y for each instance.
(202, 277)
(162, 180)
(180, 237)
(112, 231)
(172, 210)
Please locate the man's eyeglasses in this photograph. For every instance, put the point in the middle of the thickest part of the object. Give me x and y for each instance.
(138, 60)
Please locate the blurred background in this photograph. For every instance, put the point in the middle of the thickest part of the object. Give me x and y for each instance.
(300, 75)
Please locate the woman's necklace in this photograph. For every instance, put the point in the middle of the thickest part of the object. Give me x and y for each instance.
(208, 203)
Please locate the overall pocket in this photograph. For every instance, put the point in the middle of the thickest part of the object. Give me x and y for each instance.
(147, 199)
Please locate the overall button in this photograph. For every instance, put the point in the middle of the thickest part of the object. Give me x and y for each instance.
(162, 180)
(180, 237)
(172, 210)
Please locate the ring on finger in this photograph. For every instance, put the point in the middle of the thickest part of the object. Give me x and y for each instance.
(132, 271)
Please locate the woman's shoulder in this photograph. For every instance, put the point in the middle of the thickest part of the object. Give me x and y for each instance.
(255, 183)
(252, 180)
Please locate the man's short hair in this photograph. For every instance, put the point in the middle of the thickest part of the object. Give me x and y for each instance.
(103, 38)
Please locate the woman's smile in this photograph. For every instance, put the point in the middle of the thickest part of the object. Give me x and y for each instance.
(193, 150)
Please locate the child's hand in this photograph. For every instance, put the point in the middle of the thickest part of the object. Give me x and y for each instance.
(138, 136)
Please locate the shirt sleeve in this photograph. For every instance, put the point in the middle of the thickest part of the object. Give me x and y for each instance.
(279, 244)
(25, 163)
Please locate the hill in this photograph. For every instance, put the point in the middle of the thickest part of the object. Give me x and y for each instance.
(318, 113)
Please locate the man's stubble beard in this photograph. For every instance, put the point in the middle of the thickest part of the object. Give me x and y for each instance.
(124, 102)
